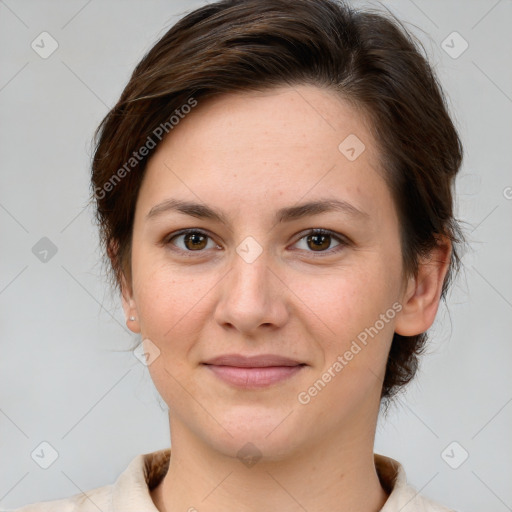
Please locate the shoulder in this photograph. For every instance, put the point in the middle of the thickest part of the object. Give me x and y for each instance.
(402, 496)
(90, 501)
(131, 490)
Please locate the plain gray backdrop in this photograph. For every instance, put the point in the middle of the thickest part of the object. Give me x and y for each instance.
(63, 377)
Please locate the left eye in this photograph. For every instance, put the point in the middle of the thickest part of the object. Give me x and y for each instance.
(319, 240)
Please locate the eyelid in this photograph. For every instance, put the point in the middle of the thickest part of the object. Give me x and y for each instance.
(167, 239)
(343, 240)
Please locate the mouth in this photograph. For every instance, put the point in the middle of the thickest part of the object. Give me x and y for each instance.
(253, 378)
(253, 372)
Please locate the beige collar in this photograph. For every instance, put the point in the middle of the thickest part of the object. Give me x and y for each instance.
(131, 491)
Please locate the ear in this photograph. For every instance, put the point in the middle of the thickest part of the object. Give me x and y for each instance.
(129, 306)
(420, 300)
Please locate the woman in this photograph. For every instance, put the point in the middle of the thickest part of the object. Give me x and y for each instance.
(274, 194)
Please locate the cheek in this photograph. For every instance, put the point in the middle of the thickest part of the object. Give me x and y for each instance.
(356, 343)
(169, 303)
(172, 316)
(345, 301)
(353, 337)
(162, 295)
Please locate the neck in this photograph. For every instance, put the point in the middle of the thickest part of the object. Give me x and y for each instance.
(335, 474)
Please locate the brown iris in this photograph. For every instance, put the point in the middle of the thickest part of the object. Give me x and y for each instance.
(197, 241)
(319, 241)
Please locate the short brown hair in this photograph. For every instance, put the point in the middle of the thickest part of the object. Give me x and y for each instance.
(368, 58)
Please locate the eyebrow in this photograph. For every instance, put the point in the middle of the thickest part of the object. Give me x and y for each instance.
(287, 214)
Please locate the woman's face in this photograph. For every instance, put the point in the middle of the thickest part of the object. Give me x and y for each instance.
(253, 280)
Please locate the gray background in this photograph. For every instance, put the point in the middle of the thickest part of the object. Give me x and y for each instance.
(63, 376)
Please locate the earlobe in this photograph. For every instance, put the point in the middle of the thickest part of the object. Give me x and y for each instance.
(423, 292)
(129, 306)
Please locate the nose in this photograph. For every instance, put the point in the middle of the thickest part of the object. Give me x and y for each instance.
(253, 297)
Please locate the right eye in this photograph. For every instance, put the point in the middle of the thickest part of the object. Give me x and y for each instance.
(190, 240)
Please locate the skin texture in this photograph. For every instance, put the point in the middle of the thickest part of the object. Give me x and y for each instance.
(247, 155)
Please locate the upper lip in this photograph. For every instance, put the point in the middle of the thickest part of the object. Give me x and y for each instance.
(259, 361)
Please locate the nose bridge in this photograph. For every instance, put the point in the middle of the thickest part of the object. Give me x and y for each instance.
(250, 295)
(249, 281)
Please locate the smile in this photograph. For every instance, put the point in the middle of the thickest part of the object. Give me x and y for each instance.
(253, 378)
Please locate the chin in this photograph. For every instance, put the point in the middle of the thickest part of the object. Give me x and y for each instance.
(259, 434)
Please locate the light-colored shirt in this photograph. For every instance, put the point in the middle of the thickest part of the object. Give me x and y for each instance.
(131, 491)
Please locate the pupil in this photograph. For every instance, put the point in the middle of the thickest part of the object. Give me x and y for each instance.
(196, 239)
(322, 244)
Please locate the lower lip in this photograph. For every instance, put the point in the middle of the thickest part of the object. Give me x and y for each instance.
(253, 378)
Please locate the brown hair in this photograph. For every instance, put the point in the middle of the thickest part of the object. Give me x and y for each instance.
(368, 58)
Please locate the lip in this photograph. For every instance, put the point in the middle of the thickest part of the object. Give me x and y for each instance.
(253, 378)
(259, 361)
(253, 372)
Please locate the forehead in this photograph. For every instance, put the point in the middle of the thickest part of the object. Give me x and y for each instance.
(280, 143)
(305, 117)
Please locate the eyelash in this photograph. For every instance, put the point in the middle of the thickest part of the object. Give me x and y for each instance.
(343, 241)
